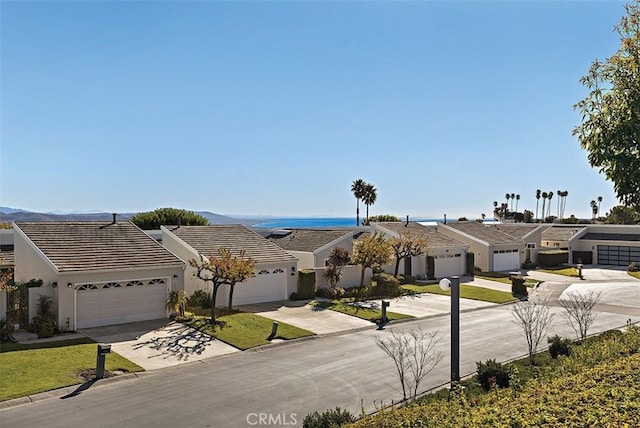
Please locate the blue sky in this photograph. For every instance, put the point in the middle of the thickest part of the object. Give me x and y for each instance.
(274, 108)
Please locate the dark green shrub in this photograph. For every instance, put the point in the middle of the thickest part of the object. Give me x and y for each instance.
(491, 372)
(470, 264)
(431, 267)
(559, 346)
(518, 289)
(44, 323)
(551, 258)
(306, 284)
(406, 279)
(328, 419)
(386, 286)
(199, 299)
(5, 332)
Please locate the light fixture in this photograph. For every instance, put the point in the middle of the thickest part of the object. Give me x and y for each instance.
(175, 276)
(69, 284)
(54, 284)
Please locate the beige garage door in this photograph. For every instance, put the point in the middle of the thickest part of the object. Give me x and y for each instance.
(120, 302)
(268, 285)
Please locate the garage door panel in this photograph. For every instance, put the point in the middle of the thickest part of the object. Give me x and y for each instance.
(506, 261)
(263, 288)
(107, 306)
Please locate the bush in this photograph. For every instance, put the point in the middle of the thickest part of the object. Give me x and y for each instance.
(306, 284)
(406, 279)
(329, 419)
(5, 332)
(44, 323)
(386, 286)
(551, 258)
(199, 299)
(633, 267)
(559, 346)
(492, 372)
(518, 289)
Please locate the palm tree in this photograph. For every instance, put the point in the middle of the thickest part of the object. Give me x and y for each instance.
(537, 200)
(564, 202)
(369, 196)
(545, 195)
(357, 187)
(594, 209)
(599, 202)
(559, 194)
(549, 207)
(513, 197)
(508, 196)
(517, 200)
(495, 209)
(176, 301)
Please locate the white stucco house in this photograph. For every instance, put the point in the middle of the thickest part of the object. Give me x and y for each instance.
(312, 246)
(449, 254)
(606, 244)
(275, 271)
(494, 250)
(97, 273)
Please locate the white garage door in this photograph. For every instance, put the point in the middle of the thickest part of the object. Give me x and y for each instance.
(120, 302)
(449, 265)
(509, 260)
(268, 285)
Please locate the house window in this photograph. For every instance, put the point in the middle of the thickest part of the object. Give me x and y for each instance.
(278, 271)
(134, 283)
(531, 245)
(263, 272)
(87, 287)
(156, 281)
(111, 285)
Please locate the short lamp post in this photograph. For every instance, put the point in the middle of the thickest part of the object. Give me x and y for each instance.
(453, 284)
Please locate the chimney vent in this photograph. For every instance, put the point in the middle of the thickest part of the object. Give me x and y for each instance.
(407, 223)
(114, 218)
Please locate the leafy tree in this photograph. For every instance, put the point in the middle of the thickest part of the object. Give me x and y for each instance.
(407, 245)
(6, 280)
(338, 259)
(527, 216)
(221, 270)
(610, 128)
(623, 215)
(369, 197)
(358, 190)
(380, 218)
(162, 216)
(6, 225)
(371, 251)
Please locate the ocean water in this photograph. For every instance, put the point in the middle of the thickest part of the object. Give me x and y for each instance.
(310, 223)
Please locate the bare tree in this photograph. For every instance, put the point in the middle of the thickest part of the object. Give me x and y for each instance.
(414, 355)
(535, 320)
(579, 312)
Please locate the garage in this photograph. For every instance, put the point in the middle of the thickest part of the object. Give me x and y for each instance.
(269, 285)
(120, 302)
(618, 255)
(506, 260)
(448, 265)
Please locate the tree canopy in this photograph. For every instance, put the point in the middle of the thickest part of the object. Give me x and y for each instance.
(371, 251)
(407, 245)
(380, 218)
(163, 216)
(623, 215)
(610, 128)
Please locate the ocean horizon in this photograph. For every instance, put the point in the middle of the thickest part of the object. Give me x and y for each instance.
(325, 222)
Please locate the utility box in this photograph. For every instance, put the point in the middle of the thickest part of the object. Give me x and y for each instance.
(103, 350)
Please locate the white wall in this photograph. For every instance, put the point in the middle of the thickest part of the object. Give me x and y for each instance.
(306, 260)
(350, 277)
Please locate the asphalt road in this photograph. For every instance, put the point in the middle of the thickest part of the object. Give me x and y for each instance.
(279, 385)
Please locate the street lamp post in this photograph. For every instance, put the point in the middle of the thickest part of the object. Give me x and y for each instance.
(453, 284)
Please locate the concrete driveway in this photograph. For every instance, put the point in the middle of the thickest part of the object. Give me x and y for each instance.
(159, 343)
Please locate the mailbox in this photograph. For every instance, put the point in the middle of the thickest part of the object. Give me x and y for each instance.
(104, 349)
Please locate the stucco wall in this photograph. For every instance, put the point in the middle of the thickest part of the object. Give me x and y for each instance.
(306, 260)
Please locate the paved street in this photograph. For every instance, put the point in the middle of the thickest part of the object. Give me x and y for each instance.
(286, 381)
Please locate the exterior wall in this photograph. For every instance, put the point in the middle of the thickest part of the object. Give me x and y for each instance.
(577, 244)
(322, 254)
(350, 277)
(306, 260)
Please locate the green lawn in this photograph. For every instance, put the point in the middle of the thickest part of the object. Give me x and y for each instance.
(504, 278)
(29, 369)
(245, 330)
(466, 292)
(634, 274)
(372, 315)
(562, 270)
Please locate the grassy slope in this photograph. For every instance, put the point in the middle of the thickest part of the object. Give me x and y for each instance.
(372, 315)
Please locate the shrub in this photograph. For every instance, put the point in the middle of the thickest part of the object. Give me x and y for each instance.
(518, 289)
(44, 323)
(559, 346)
(633, 267)
(551, 258)
(306, 284)
(328, 419)
(492, 372)
(199, 299)
(406, 279)
(5, 332)
(386, 286)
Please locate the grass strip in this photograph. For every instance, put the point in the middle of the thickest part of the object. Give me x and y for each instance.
(369, 314)
(245, 330)
(466, 292)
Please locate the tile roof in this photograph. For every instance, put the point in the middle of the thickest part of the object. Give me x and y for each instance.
(208, 239)
(435, 239)
(6, 258)
(484, 233)
(85, 246)
(610, 236)
(560, 233)
(517, 230)
(307, 240)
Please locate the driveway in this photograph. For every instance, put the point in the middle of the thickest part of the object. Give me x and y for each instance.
(159, 343)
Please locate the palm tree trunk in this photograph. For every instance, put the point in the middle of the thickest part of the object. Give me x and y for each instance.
(367, 212)
(357, 212)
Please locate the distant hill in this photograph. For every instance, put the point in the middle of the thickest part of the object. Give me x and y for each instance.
(15, 214)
